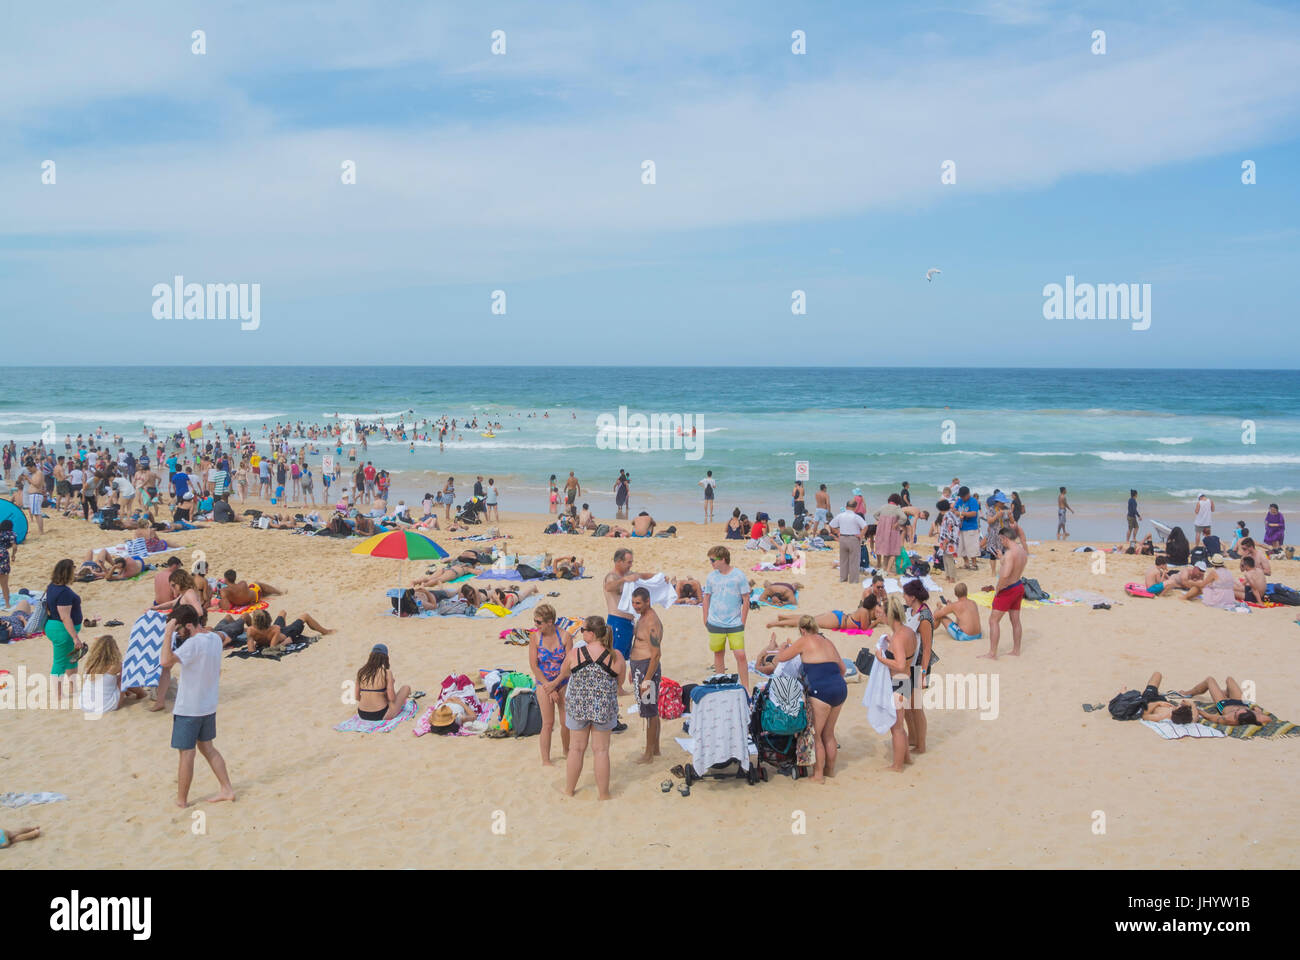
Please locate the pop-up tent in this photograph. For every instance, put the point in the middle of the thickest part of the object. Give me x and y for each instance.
(11, 511)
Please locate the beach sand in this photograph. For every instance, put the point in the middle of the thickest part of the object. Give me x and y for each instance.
(1020, 790)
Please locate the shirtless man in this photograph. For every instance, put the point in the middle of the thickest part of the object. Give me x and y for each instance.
(162, 591)
(567, 568)
(1157, 578)
(585, 520)
(643, 666)
(265, 632)
(781, 594)
(688, 590)
(33, 487)
(822, 512)
(619, 622)
(1229, 705)
(1248, 548)
(1186, 578)
(572, 489)
(1253, 585)
(1156, 706)
(62, 488)
(1010, 591)
(962, 616)
(1062, 505)
(643, 525)
(238, 593)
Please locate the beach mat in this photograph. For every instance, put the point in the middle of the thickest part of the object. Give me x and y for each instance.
(356, 725)
(1177, 731)
(140, 666)
(1274, 729)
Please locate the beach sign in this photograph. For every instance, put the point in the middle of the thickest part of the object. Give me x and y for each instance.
(801, 469)
(326, 464)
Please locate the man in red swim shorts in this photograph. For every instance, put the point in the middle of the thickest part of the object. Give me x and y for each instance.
(1010, 591)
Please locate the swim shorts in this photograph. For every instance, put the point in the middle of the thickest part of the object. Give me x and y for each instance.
(722, 638)
(1156, 588)
(1008, 598)
(649, 702)
(187, 732)
(34, 501)
(621, 627)
(822, 515)
(956, 633)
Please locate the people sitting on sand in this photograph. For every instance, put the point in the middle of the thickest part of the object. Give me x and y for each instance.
(586, 521)
(264, 632)
(643, 525)
(1185, 578)
(161, 588)
(1248, 548)
(859, 619)
(1229, 706)
(240, 593)
(823, 668)
(688, 590)
(1157, 575)
(1217, 588)
(375, 690)
(567, 568)
(735, 529)
(779, 593)
(1254, 585)
(961, 618)
(102, 689)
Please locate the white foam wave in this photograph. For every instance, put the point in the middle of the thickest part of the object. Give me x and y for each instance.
(1240, 492)
(1048, 453)
(1224, 460)
(78, 420)
(1170, 441)
(368, 417)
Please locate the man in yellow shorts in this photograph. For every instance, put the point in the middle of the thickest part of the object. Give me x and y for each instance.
(725, 608)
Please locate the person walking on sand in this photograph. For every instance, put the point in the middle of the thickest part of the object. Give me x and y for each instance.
(1134, 518)
(1062, 505)
(1203, 517)
(708, 483)
(194, 717)
(1010, 593)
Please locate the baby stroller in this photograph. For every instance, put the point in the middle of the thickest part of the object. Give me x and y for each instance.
(779, 718)
(719, 726)
(472, 511)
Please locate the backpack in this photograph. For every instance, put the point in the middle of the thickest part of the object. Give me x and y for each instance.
(525, 714)
(601, 530)
(1033, 591)
(1126, 705)
(670, 699)
(1212, 544)
(1199, 555)
(776, 720)
(4, 631)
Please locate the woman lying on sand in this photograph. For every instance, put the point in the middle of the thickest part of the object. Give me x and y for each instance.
(859, 619)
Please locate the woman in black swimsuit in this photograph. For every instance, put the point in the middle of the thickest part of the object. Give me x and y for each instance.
(374, 689)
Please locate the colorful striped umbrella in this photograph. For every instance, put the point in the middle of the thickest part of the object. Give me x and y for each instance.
(400, 545)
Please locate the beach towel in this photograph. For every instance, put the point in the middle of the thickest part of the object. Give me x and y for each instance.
(985, 599)
(492, 575)
(853, 631)
(662, 593)
(239, 611)
(487, 611)
(878, 698)
(15, 800)
(140, 666)
(1274, 729)
(274, 653)
(356, 725)
(1176, 731)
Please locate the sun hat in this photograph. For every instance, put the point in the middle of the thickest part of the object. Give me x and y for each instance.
(443, 720)
(1216, 560)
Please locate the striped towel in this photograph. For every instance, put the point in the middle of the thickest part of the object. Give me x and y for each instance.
(356, 725)
(135, 547)
(1272, 730)
(1176, 731)
(140, 666)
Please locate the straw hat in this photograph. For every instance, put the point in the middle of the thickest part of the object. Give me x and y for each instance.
(443, 720)
(1216, 560)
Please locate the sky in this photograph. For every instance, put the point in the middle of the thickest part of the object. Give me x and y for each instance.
(775, 172)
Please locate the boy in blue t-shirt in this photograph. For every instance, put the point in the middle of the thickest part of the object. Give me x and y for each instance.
(726, 607)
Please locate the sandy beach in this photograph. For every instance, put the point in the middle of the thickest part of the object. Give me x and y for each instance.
(1021, 789)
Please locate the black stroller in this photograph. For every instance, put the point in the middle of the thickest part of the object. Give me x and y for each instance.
(472, 510)
(778, 748)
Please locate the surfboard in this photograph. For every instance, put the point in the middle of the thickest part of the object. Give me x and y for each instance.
(1161, 528)
(490, 436)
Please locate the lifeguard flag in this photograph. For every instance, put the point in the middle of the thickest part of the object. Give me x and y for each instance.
(196, 430)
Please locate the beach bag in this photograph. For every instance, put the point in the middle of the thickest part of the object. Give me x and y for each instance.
(919, 568)
(1212, 544)
(1199, 555)
(1280, 593)
(670, 699)
(1033, 591)
(865, 658)
(405, 605)
(903, 562)
(525, 714)
(4, 631)
(784, 690)
(1126, 706)
(528, 573)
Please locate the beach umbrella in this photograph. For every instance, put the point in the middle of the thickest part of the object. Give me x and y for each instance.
(401, 545)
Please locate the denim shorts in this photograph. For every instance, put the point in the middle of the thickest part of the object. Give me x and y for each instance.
(187, 731)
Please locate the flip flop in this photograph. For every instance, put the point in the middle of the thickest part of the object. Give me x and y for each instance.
(666, 786)
(678, 771)
(114, 623)
(418, 694)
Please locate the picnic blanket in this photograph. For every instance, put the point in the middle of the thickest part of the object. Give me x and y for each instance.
(28, 799)
(356, 725)
(492, 575)
(140, 666)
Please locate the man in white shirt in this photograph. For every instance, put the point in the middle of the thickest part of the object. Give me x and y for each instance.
(1204, 516)
(194, 717)
(848, 525)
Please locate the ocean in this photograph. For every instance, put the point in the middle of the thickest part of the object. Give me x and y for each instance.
(1171, 434)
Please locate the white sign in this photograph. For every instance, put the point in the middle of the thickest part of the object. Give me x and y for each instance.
(326, 464)
(801, 469)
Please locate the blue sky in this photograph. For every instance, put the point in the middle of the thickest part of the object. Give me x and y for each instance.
(775, 172)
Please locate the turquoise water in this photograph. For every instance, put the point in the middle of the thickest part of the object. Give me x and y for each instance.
(1170, 433)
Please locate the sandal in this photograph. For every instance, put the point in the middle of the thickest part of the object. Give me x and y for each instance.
(114, 623)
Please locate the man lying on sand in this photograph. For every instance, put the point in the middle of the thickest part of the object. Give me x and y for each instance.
(264, 632)
(688, 590)
(643, 525)
(780, 594)
(961, 618)
(1156, 706)
(238, 593)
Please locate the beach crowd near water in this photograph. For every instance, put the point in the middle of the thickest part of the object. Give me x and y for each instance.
(909, 571)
